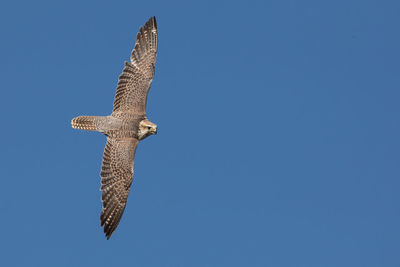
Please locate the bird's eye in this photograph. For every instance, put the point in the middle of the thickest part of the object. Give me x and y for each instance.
(148, 127)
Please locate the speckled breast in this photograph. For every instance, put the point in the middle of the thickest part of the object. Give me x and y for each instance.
(123, 125)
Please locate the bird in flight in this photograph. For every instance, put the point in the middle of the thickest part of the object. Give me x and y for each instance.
(125, 127)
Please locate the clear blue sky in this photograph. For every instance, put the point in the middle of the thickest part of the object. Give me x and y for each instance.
(278, 144)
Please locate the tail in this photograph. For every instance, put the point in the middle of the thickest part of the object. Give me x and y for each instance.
(84, 123)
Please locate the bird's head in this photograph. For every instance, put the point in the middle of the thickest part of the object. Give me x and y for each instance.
(146, 128)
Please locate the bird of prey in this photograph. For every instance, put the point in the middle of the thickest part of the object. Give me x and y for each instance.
(125, 127)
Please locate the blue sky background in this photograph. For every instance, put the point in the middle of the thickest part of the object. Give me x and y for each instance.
(278, 138)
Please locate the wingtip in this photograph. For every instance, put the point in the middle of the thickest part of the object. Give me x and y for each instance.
(152, 22)
(108, 236)
(108, 229)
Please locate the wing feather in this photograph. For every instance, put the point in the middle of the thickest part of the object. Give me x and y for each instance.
(116, 179)
(137, 75)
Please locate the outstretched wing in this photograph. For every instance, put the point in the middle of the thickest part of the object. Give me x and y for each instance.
(135, 80)
(116, 179)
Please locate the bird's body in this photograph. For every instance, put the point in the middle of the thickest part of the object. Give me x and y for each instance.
(114, 126)
(125, 127)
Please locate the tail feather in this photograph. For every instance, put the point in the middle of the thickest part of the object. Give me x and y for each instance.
(84, 123)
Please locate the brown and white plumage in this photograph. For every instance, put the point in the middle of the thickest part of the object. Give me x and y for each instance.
(135, 80)
(116, 179)
(125, 127)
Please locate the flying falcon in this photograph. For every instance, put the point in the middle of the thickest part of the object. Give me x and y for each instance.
(125, 127)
